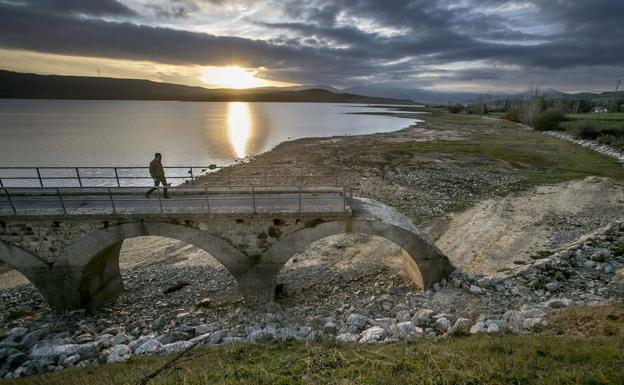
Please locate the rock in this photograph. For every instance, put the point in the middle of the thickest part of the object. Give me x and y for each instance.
(437, 287)
(387, 298)
(493, 328)
(373, 334)
(384, 322)
(358, 321)
(120, 339)
(347, 337)
(515, 291)
(484, 282)
(46, 349)
(461, 325)
(84, 338)
(423, 316)
(15, 335)
(35, 336)
(206, 328)
(150, 346)
(174, 336)
(204, 302)
(305, 333)
(557, 303)
(134, 345)
(119, 353)
(403, 316)
(475, 289)
(70, 361)
(330, 327)
(258, 334)
(406, 330)
(442, 324)
(160, 322)
(233, 340)
(615, 287)
(15, 360)
(201, 339)
(514, 320)
(387, 306)
(553, 286)
(216, 337)
(477, 328)
(177, 347)
(113, 330)
(601, 255)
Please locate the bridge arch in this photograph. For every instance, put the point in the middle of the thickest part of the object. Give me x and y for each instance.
(35, 269)
(90, 266)
(424, 263)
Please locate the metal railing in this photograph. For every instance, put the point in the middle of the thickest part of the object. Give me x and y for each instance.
(66, 201)
(178, 175)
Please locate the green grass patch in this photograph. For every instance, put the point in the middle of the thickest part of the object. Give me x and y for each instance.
(471, 360)
(538, 158)
(598, 117)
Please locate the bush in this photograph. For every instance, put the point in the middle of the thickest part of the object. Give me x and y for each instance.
(549, 119)
(513, 115)
(455, 109)
(585, 129)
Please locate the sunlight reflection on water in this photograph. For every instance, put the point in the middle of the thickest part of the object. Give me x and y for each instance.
(239, 127)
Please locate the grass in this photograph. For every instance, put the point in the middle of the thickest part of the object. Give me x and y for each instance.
(605, 128)
(458, 360)
(589, 322)
(538, 158)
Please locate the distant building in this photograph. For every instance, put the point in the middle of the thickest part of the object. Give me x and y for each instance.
(600, 110)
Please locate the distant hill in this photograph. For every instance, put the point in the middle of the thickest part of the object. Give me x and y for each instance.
(416, 94)
(17, 85)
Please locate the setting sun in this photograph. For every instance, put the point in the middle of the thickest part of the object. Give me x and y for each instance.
(231, 77)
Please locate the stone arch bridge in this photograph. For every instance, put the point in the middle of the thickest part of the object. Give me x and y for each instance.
(71, 253)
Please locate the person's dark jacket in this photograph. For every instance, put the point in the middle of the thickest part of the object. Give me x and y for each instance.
(156, 170)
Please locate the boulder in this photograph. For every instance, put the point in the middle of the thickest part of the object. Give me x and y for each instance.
(406, 330)
(119, 353)
(443, 324)
(358, 321)
(150, 346)
(373, 334)
(347, 337)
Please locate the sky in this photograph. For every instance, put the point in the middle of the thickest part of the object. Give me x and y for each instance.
(461, 45)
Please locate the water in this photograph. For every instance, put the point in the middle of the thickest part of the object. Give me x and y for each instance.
(68, 133)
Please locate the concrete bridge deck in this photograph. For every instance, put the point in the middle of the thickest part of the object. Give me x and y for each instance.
(67, 240)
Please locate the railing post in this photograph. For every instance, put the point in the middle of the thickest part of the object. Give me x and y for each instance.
(191, 172)
(39, 176)
(160, 200)
(300, 176)
(78, 175)
(265, 177)
(112, 201)
(337, 171)
(117, 178)
(344, 199)
(6, 191)
(60, 197)
(207, 199)
(1, 185)
(299, 198)
(253, 198)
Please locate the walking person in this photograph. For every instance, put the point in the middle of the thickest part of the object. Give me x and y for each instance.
(157, 173)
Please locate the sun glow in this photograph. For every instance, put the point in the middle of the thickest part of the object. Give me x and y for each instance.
(239, 127)
(231, 77)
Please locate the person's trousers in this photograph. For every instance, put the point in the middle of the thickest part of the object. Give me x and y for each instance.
(157, 182)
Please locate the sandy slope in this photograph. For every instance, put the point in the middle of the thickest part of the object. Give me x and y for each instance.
(490, 236)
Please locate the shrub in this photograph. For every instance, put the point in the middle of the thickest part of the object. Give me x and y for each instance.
(585, 129)
(455, 109)
(549, 119)
(513, 115)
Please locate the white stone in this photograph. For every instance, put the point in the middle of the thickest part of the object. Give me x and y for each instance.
(403, 315)
(442, 324)
(347, 337)
(373, 334)
(475, 289)
(461, 325)
(150, 346)
(406, 330)
(357, 320)
(119, 353)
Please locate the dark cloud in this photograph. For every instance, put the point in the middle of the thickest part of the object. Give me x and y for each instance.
(86, 7)
(342, 42)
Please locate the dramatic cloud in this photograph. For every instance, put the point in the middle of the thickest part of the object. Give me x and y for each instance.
(489, 44)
